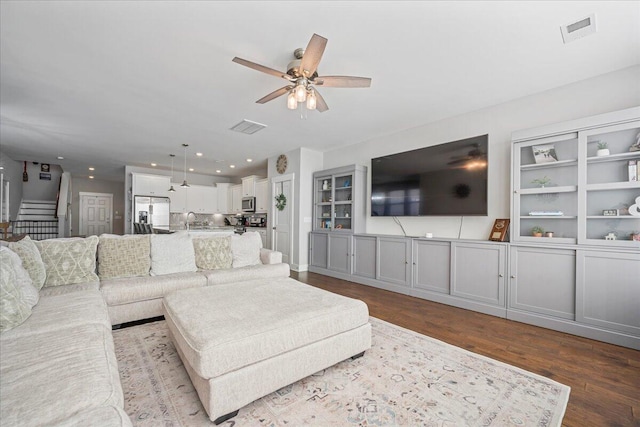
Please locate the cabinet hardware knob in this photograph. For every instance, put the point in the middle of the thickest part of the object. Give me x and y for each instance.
(500, 275)
(513, 277)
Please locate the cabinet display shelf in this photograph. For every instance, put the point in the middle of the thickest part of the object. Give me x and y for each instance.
(548, 217)
(324, 203)
(342, 202)
(549, 190)
(343, 188)
(619, 242)
(559, 163)
(613, 186)
(548, 240)
(613, 217)
(614, 157)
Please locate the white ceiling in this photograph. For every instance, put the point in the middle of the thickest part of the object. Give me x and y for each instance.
(106, 83)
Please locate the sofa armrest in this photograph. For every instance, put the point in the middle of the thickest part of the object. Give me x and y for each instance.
(267, 256)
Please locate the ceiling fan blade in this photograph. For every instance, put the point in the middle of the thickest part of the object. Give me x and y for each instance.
(273, 95)
(342, 81)
(261, 68)
(312, 55)
(321, 105)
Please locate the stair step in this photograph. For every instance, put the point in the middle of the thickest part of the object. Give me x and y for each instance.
(36, 217)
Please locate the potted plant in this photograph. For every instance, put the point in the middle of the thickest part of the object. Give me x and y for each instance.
(541, 181)
(635, 236)
(537, 231)
(602, 149)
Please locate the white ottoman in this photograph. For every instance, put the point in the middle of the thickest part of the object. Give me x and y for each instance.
(242, 341)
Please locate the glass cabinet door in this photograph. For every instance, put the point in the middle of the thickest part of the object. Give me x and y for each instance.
(343, 200)
(611, 193)
(545, 199)
(323, 200)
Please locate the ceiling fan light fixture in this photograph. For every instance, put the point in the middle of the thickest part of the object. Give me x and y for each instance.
(311, 100)
(292, 103)
(301, 92)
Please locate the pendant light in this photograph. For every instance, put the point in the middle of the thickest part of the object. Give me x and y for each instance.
(172, 190)
(184, 183)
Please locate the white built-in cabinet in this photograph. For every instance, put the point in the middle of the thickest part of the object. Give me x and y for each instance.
(222, 206)
(195, 198)
(150, 185)
(235, 199)
(249, 185)
(262, 195)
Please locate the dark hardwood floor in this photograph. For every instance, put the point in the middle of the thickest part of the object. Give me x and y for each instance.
(604, 378)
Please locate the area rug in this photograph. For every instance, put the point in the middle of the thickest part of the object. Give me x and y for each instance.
(406, 379)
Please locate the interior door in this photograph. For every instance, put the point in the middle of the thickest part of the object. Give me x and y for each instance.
(95, 213)
(282, 236)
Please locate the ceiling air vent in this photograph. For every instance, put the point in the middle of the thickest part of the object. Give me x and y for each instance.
(579, 29)
(248, 127)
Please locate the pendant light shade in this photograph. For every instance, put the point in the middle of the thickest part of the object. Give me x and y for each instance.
(171, 189)
(184, 182)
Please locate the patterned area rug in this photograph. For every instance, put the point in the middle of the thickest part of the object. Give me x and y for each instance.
(406, 379)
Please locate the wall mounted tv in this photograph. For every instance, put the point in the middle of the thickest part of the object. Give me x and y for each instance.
(440, 180)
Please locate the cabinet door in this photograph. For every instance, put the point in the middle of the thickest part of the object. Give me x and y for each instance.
(263, 236)
(543, 280)
(248, 186)
(340, 253)
(178, 199)
(236, 198)
(202, 199)
(608, 290)
(364, 256)
(431, 265)
(342, 202)
(319, 249)
(150, 185)
(262, 195)
(477, 272)
(393, 258)
(222, 197)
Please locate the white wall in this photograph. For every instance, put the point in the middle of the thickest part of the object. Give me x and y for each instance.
(609, 92)
(40, 189)
(12, 172)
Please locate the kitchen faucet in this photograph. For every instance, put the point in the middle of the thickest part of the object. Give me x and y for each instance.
(187, 222)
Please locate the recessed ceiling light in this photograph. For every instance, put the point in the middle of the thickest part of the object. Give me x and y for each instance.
(92, 168)
(191, 169)
(218, 171)
(2, 168)
(249, 160)
(154, 164)
(90, 176)
(60, 158)
(199, 154)
(232, 166)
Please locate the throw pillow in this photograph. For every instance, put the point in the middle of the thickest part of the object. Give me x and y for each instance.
(124, 256)
(31, 260)
(213, 253)
(172, 253)
(246, 249)
(14, 308)
(69, 260)
(23, 280)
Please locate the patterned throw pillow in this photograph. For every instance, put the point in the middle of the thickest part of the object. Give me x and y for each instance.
(31, 260)
(14, 307)
(172, 253)
(213, 253)
(69, 260)
(23, 280)
(124, 256)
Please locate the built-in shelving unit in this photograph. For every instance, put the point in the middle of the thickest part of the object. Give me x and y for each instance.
(338, 199)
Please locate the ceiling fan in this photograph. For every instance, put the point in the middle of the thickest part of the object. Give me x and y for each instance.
(302, 74)
(474, 157)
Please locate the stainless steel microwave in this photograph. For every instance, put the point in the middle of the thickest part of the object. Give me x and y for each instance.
(248, 204)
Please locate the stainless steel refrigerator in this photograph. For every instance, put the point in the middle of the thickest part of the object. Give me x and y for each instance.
(152, 210)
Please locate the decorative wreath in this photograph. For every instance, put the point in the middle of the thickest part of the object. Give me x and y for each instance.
(281, 202)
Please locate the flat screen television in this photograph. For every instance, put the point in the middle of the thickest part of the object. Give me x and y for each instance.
(441, 180)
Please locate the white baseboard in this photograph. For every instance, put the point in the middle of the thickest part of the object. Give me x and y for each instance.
(299, 267)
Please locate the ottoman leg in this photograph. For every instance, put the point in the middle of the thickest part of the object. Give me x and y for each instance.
(357, 356)
(224, 418)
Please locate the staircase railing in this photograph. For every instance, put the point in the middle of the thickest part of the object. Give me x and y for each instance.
(35, 229)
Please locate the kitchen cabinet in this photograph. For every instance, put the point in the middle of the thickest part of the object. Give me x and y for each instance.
(150, 185)
(195, 198)
(263, 235)
(178, 199)
(249, 185)
(235, 199)
(478, 272)
(262, 196)
(222, 196)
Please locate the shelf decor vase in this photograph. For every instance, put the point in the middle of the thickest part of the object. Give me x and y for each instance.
(602, 152)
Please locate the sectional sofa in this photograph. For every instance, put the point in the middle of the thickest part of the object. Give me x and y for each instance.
(59, 299)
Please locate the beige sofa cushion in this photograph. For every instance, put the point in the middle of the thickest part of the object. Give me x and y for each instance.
(124, 256)
(250, 272)
(22, 278)
(134, 289)
(216, 335)
(172, 253)
(69, 260)
(213, 253)
(246, 249)
(14, 305)
(31, 260)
